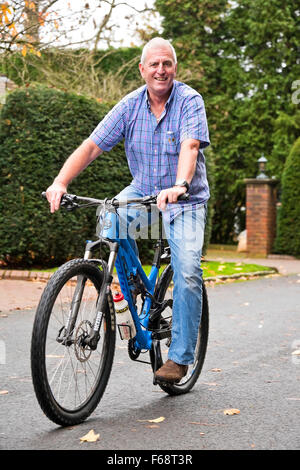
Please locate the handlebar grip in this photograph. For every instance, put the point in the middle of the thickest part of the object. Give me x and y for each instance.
(184, 197)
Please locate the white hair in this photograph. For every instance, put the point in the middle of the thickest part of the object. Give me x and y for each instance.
(157, 42)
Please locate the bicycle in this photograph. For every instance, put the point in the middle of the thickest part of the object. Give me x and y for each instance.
(74, 331)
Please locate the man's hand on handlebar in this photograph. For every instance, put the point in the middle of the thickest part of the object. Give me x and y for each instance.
(169, 195)
(54, 194)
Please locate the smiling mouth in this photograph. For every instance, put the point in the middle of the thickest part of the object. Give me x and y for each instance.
(161, 79)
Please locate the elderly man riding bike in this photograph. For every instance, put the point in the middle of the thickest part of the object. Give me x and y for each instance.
(164, 126)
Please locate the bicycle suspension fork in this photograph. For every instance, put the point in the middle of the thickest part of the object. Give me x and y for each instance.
(103, 297)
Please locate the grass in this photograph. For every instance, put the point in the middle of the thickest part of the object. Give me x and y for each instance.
(218, 268)
(215, 267)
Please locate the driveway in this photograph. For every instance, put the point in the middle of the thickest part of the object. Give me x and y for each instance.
(252, 365)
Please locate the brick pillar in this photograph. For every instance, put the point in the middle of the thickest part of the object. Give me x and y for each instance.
(261, 195)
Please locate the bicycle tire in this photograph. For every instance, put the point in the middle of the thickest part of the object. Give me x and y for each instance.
(86, 364)
(187, 383)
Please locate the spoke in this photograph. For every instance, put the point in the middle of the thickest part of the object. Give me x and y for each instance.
(58, 366)
(73, 370)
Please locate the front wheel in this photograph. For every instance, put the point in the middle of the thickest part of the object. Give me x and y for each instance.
(69, 375)
(158, 356)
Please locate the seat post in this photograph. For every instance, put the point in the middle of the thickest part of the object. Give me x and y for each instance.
(159, 244)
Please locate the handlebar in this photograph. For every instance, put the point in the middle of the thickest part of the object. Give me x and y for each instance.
(71, 201)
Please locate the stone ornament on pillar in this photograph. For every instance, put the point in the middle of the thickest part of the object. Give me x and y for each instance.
(262, 161)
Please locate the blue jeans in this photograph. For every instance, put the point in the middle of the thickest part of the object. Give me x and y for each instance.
(185, 234)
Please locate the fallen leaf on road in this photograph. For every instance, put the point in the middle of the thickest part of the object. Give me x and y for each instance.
(54, 356)
(156, 420)
(216, 370)
(232, 411)
(296, 352)
(90, 437)
(151, 426)
(3, 392)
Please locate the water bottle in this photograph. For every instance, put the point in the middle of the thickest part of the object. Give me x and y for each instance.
(124, 319)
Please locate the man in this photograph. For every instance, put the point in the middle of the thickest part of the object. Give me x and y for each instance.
(165, 129)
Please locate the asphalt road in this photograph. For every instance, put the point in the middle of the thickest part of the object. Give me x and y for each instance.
(251, 365)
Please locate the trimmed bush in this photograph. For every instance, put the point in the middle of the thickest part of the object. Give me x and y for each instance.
(288, 227)
(39, 129)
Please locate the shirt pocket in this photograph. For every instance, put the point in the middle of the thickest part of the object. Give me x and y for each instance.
(171, 143)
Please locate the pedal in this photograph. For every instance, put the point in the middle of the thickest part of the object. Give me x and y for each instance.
(157, 381)
(167, 253)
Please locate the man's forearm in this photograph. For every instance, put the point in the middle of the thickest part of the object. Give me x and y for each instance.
(187, 160)
(78, 161)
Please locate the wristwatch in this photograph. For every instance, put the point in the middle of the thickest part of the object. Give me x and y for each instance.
(182, 183)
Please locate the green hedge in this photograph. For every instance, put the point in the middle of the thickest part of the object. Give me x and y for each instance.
(288, 226)
(39, 129)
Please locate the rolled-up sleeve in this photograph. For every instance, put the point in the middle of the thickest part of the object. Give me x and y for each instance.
(111, 130)
(193, 121)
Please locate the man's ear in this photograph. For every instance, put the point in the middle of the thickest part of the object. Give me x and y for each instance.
(141, 67)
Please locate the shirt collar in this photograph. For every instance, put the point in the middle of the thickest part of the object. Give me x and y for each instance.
(147, 103)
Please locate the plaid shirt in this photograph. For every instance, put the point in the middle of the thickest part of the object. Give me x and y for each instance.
(152, 147)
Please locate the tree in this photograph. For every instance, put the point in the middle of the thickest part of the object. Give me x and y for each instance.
(243, 59)
(288, 229)
(20, 23)
(32, 25)
(36, 26)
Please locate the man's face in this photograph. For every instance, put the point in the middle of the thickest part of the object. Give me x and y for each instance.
(159, 70)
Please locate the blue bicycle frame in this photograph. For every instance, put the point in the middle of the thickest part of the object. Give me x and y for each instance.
(143, 339)
(127, 264)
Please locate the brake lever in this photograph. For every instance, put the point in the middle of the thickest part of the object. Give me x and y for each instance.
(68, 201)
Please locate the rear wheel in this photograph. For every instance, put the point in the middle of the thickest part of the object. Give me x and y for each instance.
(69, 376)
(164, 291)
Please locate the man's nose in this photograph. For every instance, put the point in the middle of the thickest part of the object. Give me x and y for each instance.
(161, 68)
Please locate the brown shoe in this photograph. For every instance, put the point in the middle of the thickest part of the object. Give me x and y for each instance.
(171, 372)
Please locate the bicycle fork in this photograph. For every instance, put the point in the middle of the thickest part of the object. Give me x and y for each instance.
(94, 336)
(74, 309)
(91, 340)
